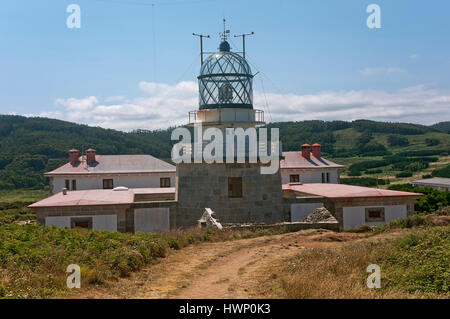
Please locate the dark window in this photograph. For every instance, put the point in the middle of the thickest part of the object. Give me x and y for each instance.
(74, 185)
(164, 182)
(67, 184)
(234, 186)
(328, 177)
(81, 222)
(108, 184)
(323, 177)
(294, 178)
(375, 214)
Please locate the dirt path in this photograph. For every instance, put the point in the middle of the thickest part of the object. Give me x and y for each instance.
(233, 269)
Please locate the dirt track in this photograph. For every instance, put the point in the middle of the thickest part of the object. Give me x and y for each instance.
(233, 269)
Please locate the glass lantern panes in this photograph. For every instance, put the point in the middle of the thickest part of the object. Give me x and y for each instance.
(225, 81)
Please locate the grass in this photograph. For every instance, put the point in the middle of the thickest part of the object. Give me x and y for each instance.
(33, 258)
(23, 195)
(414, 265)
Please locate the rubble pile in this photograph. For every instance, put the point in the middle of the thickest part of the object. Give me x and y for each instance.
(209, 220)
(320, 215)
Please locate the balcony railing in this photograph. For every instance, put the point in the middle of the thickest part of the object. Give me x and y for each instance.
(226, 116)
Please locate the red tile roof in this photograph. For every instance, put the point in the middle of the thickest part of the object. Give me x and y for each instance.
(87, 198)
(107, 164)
(296, 160)
(96, 197)
(345, 191)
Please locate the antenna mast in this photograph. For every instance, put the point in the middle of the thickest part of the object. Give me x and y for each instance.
(201, 36)
(243, 40)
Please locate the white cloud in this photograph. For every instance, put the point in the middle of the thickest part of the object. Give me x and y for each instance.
(163, 105)
(414, 56)
(382, 70)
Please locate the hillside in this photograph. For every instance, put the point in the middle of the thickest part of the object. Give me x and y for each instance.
(442, 126)
(31, 146)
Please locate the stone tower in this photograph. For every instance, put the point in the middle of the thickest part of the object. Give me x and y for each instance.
(237, 192)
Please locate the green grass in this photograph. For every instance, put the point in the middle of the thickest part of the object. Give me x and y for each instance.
(34, 258)
(24, 195)
(418, 262)
(415, 265)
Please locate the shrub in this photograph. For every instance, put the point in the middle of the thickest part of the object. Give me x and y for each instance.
(373, 171)
(442, 172)
(363, 181)
(397, 140)
(432, 141)
(404, 174)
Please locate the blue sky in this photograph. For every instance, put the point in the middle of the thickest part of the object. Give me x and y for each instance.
(133, 64)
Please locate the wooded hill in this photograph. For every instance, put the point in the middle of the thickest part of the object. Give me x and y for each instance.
(31, 146)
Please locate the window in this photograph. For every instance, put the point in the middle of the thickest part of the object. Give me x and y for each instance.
(323, 177)
(108, 184)
(164, 182)
(294, 178)
(81, 222)
(234, 186)
(328, 177)
(67, 184)
(375, 214)
(74, 184)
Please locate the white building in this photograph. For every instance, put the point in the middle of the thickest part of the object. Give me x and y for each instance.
(109, 171)
(308, 167)
(439, 183)
(352, 206)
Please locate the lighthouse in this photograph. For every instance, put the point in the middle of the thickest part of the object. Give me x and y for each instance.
(236, 191)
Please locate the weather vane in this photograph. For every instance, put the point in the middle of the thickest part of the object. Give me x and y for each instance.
(224, 35)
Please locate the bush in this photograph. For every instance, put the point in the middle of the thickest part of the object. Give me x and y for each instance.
(432, 141)
(409, 222)
(363, 181)
(361, 166)
(397, 140)
(373, 171)
(404, 174)
(432, 200)
(354, 173)
(442, 172)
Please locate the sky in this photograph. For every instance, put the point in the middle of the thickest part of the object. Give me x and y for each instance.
(133, 64)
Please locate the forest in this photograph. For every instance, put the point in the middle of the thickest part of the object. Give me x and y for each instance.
(30, 146)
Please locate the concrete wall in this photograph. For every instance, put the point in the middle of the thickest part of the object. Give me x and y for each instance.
(336, 206)
(310, 175)
(96, 181)
(206, 185)
(147, 220)
(101, 216)
(99, 222)
(356, 216)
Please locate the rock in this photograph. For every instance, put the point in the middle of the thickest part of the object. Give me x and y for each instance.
(320, 214)
(209, 220)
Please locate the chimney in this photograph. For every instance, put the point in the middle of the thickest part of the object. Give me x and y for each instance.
(74, 154)
(90, 156)
(316, 150)
(306, 151)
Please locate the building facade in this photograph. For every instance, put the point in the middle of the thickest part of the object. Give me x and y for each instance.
(110, 171)
(308, 166)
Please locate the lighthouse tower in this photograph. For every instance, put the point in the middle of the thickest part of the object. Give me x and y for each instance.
(237, 192)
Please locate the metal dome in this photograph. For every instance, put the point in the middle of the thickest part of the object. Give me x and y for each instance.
(225, 81)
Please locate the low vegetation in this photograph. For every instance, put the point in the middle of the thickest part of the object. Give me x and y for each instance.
(33, 258)
(413, 265)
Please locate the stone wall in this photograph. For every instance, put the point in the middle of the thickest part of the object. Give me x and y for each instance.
(206, 185)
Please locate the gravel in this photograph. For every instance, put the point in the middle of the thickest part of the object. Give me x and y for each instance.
(320, 214)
